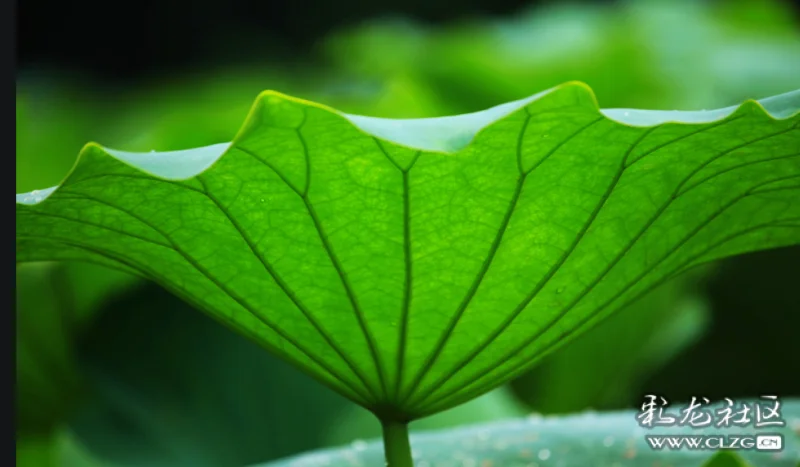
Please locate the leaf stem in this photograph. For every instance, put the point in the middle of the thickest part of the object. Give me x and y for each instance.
(396, 445)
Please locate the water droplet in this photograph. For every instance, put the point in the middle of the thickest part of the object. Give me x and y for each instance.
(627, 113)
(35, 196)
(560, 290)
(152, 151)
(544, 454)
(262, 200)
(608, 441)
(359, 445)
(545, 136)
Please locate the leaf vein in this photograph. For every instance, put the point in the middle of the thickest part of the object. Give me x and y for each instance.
(588, 289)
(285, 287)
(240, 300)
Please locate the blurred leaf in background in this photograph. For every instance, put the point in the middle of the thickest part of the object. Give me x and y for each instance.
(726, 459)
(676, 54)
(171, 387)
(587, 439)
(54, 304)
(58, 449)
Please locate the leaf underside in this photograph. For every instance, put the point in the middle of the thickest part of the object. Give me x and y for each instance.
(417, 269)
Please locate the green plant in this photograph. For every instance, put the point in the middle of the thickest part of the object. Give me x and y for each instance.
(609, 439)
(412, 265)
(646, 54)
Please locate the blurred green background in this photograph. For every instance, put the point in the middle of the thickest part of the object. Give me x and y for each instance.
(114, 371)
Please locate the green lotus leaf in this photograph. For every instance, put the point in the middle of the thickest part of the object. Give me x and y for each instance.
(412, 265)
(596, 439)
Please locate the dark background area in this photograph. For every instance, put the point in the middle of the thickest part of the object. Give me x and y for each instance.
(755, 310)
(130, 40)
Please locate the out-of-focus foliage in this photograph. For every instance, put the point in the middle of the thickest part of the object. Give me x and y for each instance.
(55, 303)
(670, 54)
(60, 448)
(726, 459)
(46, 374)
(171, 387)
(589, 439)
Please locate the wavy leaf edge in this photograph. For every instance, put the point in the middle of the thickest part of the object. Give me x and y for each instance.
(459, 130)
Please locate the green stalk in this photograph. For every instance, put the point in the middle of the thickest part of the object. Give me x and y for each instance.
(396, 445)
